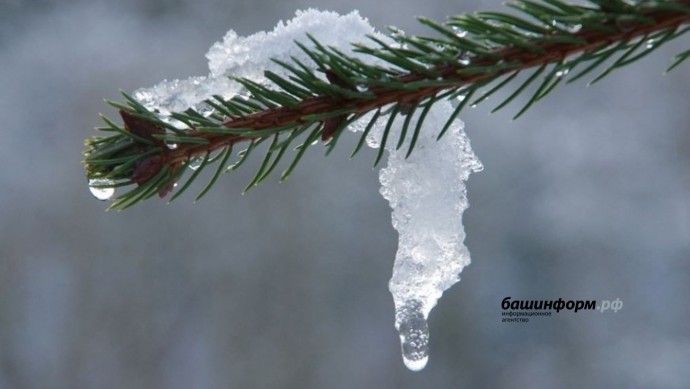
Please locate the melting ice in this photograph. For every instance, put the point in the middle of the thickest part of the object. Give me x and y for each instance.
(427, 195)
(426, 191)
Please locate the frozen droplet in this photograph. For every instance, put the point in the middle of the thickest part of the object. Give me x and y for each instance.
(361, 88)
(171, 146)
(473, 106)
(460, 98)
(414, 335)
(650, 43)
(464, 60)
(101, 188)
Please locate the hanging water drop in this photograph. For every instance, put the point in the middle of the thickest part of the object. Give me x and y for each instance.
(410, 321)
(101, 188)
(650, 43)
(464, 60)
(171, 146)
(361, 88)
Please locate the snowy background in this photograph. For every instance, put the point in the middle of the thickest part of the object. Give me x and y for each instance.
(585, 197)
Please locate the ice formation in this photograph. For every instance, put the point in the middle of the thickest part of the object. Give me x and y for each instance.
(427, 196)
(426, 191)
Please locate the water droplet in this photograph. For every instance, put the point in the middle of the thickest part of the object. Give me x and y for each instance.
(195, 163)
(571, 28)
(414, 335)
(362, 88)
(562, 72)
(171, 146)
(650, 43)
(464, 60)
(473, 106)
(460, 98)
(100, 188)
(204, 110)
(459, 32)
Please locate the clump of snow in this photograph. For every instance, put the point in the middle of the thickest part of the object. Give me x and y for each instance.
(426, 191)
(250, 56)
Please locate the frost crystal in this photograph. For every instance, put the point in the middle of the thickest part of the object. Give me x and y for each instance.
(426, 191)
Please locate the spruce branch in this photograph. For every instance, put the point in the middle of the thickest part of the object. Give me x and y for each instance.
(469, 57)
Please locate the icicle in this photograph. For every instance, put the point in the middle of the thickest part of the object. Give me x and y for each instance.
(427, 194)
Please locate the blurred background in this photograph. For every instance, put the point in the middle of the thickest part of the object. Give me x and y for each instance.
(585, 197)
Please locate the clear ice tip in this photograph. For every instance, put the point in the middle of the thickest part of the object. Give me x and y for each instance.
(414, 336)
(415, 364)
